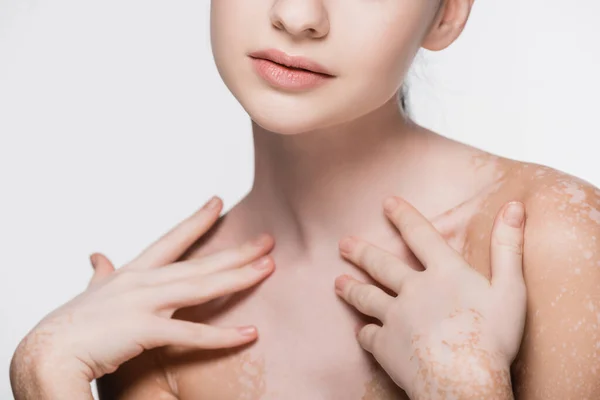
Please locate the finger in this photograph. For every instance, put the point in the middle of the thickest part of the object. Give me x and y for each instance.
(189, 334)
(102, 267)
(218, 261)
(367, 337)
(420, 235)
(189, 292)
(506, 247)
(174, 243)
(368, 299)
(381, 265)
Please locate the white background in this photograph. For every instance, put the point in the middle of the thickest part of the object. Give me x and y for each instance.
(114, 124)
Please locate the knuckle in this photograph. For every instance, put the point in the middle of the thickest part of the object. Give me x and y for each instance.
(409, 288)
(363, 298)
(403, 225)
(353, 293)
(368, 259)
(387, 263)
(363, 334)
(363, 253)
(349, 292)
(509, 244)
(130, 278)
(367, 336)
(124, 277)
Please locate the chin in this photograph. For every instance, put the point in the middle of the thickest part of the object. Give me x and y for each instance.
(291, 113)
(290, 116)
(283, 124)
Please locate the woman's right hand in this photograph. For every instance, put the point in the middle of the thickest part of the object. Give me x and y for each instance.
(126, 311)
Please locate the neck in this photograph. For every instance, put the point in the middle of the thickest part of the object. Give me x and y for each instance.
(314, 188)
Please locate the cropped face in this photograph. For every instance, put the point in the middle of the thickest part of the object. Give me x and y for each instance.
(364, 46)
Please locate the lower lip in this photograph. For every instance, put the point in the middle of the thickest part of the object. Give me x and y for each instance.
(288, 78)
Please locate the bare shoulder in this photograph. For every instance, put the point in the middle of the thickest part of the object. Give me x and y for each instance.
(558, 192)
(563, 216)
(562, 227)
(559, 356)
(550, 197)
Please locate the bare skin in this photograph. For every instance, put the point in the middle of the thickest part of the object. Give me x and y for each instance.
(445, 331)
(307, 346)
(123, 313)
(325, 159)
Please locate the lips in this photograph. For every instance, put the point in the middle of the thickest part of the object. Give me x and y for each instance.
(295, 62)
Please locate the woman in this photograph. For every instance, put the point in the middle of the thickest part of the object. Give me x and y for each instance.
(329, 146)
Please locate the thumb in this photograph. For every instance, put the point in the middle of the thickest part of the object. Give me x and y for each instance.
(506, 247)
(102, 267)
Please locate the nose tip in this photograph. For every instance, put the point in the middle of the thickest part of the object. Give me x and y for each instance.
(297, 31)
(301, 18)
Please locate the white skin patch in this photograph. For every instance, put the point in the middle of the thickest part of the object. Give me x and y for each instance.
(594, 215)
(575, 191)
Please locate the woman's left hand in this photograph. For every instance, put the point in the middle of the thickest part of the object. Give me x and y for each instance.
(450, 332)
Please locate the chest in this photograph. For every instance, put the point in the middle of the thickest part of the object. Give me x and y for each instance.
(307, 346)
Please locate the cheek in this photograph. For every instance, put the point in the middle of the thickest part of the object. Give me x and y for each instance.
(382, 52)
(383, 44)
(235, 29)
(374, 69)
(375, 56)
(227, 26)
(378, 72)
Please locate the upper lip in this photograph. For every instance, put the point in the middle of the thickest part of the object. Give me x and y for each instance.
(291, 61)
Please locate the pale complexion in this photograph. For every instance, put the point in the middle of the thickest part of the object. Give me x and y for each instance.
(447, 332)
(123, 313)
(305, 347)
(324, 161)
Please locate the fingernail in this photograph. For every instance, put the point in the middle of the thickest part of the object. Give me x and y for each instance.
(340, 282)
(212, 203)
(93, 260)
(261, 263)
(261, 240)
(514, 214)
(247, 330)
(347, 245)
(390, 204)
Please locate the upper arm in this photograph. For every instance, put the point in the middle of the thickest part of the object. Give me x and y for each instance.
(140, 378)
(560, 353)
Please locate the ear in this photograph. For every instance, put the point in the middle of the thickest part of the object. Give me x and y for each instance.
(449, 23)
